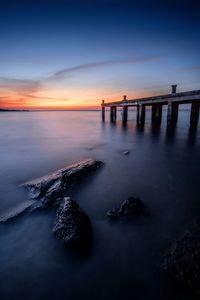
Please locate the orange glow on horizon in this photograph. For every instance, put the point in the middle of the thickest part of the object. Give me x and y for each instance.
(62, 100)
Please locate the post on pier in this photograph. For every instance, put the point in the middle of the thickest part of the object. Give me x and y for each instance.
(194, 115)
(103, 111)
(124, 111)
(125, 114)
(174, 87)
(140, 114)
(172, 114)
(156, 116)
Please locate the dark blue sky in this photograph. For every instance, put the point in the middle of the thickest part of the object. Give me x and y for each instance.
(71, 53)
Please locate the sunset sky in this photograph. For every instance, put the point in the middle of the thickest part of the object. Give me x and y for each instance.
(71, 54)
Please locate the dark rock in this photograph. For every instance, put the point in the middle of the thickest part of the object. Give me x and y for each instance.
(130, 207)
(72, 225)
(183, 258)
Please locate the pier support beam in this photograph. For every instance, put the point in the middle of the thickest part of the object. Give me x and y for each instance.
(115, 113)
(172, 114)
(156, 116)
(112, 114)
(103, 111)
(125, 114)
(194, 115)
(140, 114)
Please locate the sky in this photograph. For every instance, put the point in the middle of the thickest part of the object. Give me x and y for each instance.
(72, 54)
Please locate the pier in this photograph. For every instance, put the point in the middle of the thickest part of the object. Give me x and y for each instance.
(172, 100)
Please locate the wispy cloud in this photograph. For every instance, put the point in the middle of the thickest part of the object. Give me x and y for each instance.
(25, 85)
(44, 97)
(31, 86)
(13, 102)
(84, 67)
(190, 68)
(28, 91)
(4, 97)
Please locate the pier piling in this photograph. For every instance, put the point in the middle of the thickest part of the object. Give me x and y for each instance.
(140, 114)
(103, 111)
(113, 113)
(156, 116)
(172, 114)
(125, 114)
(194, 115)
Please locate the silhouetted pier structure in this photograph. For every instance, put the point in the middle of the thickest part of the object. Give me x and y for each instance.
(172, 101)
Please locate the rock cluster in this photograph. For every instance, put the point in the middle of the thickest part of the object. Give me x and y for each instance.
(130, 207)
(183, 258)
(72, 225)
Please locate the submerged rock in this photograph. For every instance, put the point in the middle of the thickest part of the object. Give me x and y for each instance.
(183, 258)
(130, 207)
(72, 225)
(126, 152)
(50, 187)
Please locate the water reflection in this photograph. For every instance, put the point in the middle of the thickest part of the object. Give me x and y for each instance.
(170, 134)
(155, 132)
(192, 136)
(161, 170)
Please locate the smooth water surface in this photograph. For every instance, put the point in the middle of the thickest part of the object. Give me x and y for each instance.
(123, 262)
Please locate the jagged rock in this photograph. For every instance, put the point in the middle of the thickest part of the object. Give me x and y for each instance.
(17, 211)
(72, 225)
(50, 187)
(48, 190)
(183, 258)
(130, 207)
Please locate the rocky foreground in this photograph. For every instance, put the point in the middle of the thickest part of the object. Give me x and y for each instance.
(129, 208)
(182, 260)
(72, 225)
(50, 189)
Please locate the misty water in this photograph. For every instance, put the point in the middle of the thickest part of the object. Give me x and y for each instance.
(124, 260)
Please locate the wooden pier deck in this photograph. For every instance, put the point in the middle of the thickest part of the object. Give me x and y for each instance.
(172, 100)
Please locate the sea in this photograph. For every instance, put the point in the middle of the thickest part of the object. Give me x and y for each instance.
(125, 258)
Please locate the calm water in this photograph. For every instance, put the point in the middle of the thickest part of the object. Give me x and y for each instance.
(124, 259)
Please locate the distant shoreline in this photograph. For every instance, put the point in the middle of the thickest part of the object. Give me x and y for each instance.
(10, 110)
(29, 110)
